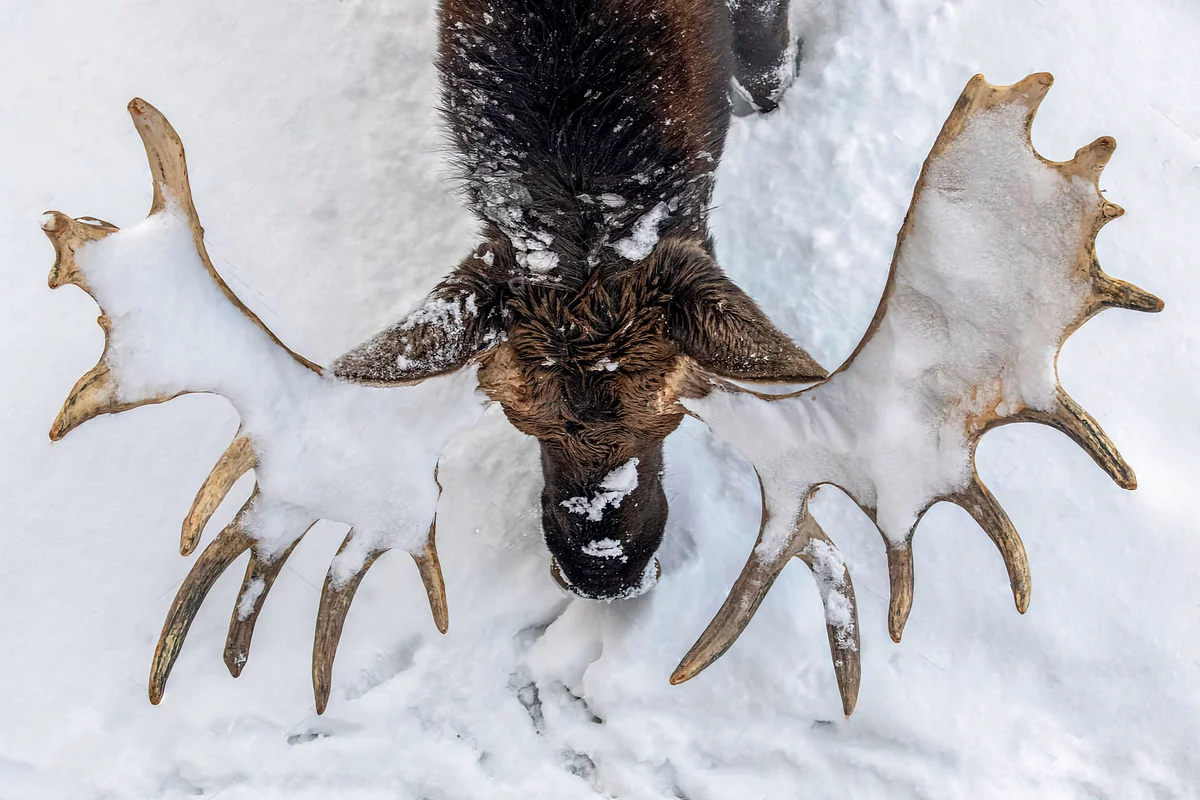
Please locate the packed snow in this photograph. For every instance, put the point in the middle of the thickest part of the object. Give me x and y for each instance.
(643, 238)
(614, 487)
(829, 570)
(605, 548)
(317, 165)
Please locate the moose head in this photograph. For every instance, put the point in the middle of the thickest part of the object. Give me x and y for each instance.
(594, 374)
(595, 294)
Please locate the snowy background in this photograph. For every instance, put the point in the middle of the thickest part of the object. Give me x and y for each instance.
(316, 163)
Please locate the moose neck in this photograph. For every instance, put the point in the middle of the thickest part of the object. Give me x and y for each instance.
(588, 126)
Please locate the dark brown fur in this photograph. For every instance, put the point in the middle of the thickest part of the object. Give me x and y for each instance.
(576, 122)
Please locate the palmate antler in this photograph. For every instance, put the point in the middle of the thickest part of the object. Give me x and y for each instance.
(995, 267)
(173, 327)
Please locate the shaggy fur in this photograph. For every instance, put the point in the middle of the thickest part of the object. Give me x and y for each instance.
(588, 133)
(574, 118)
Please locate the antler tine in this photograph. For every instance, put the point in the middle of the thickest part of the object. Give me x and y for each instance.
(236, 461)
(67, 235)
(336, 597)
(987, 512)
(92, 395)
(841, 610)
(735, 613)
(168, 169)
(901, 578)
(212, 563)
(811, 545)
(1108, 292)
(430, 568)
(979, 95)
(1090, 160)
(1069, 417)
(1029, 92)
(260, 576)
(338, 593)
(164, 152)
(901, 581)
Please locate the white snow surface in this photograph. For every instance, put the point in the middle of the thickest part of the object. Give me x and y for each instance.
(316, 165)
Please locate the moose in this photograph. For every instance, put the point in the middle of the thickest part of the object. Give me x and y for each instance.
(592, 174)
(592, 309)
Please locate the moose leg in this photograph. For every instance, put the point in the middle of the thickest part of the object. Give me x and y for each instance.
(764, 60)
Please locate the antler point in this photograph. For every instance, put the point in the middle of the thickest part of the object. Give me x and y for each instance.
(682, 673)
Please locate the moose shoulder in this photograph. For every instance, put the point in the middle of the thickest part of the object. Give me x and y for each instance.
(587, 136)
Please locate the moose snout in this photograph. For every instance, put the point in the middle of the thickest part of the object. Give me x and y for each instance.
(603, 533)
(606, 560)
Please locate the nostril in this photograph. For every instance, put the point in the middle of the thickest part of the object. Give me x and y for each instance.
(609, 590)
(556, 573)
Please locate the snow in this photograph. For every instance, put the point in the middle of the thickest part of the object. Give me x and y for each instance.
(642, 240)
(605, 548)
(315, 160)
(829, 571)
(246, 603)
(615, 487)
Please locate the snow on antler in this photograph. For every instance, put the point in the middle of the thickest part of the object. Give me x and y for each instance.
(994, 268)
(320, 447)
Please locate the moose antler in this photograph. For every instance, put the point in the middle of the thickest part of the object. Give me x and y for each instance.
(173, 327)
(994, 268)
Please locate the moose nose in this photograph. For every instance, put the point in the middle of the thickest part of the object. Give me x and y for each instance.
(649, 580)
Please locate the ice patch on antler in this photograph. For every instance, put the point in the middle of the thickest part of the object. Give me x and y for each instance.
(829, 570)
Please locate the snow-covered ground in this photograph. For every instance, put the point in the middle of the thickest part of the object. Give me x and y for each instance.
(316, 165)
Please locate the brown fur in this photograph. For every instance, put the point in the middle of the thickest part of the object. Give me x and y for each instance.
(575, 122)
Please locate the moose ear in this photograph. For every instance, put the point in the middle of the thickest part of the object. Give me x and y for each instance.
(457, 321)
(717, 324)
